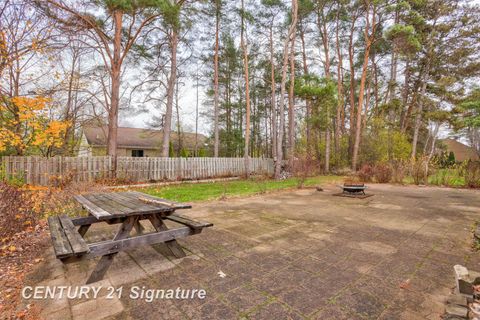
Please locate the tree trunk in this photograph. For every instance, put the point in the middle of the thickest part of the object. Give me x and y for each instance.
(338, 122)
(403, 117)
(291, 107)
(179, 127)
(273, 97)
(115, 98)
(432, 151)
(215, 59)
(196, 115)
(308, 103)
(247, 96)
(352, 87)
(418, 116)
(291, 34)
(358, 128)
(172, 80)
(326, 50)
(393, 66)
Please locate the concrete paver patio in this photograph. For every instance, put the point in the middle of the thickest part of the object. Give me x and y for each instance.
(293, 255)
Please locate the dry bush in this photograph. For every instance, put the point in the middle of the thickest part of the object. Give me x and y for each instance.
(382, 173)
(346, 171)
(418, 172)
(16, 210)
(55, 201)
(304, 168)
(399, 170)
(261, 182)
(472, 174)
(366, 173)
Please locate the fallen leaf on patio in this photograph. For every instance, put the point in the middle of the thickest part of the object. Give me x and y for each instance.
(21, 314)
(12, 248)
(221, 274)
(405, 284)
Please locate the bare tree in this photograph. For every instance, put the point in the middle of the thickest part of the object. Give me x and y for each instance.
(215, 59)
(112, 36)
(288, 40)
(369, 33)
(247, 93)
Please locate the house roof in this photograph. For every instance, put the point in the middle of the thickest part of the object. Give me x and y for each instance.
(138, 138)
(461, 151)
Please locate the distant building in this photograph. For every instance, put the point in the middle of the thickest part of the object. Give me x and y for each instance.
(461, 151)
(135, 142)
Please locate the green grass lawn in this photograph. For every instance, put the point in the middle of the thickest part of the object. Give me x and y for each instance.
(206, 191)
(443, 177)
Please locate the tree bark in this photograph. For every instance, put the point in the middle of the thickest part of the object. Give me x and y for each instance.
(115, 94)
(215, 59)
(172, 80)
(338, 122)
(273, 97)
(290, 35)
(405, 93)
(418, 115)
(368, 43)
(247, 96)
(352, 86)
(326, 49)
(291, 107)
(308, 103)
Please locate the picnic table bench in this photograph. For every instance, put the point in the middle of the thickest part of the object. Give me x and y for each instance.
(126, 209)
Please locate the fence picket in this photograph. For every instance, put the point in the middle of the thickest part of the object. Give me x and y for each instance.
(37, 170)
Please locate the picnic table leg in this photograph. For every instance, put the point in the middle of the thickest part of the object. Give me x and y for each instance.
(139, 228)
(173, 246)
(106, 260)
(83, 229)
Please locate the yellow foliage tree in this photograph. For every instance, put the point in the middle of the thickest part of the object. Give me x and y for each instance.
(25, 126)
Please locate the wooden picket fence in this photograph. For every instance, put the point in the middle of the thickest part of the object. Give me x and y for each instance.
(49, 171)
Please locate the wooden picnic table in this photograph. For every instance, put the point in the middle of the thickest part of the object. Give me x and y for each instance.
(126, 209)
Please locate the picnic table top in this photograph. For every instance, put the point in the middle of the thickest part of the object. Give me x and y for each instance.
(109, 205)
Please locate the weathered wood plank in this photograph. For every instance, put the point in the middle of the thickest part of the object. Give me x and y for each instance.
(78, 245)
(174, 204)
(61, 245)
(40, 170)
(131, 202)
(107, 259)
(92, 208)
(81, 221)
(108, 247)
(196, 225)
(173, 246)
(103, 200)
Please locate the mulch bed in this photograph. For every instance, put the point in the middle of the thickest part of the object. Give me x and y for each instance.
(18, 256)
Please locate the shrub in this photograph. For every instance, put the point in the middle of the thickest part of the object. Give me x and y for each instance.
(304, 168)
(345, 171)
(398, 171)
(16, 210)
(383, 173)
(366, 173)
(418, 172)
(56, 201)
(472, 174)
(452, 176)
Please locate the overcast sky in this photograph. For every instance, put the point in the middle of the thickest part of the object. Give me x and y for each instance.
(187, 104)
